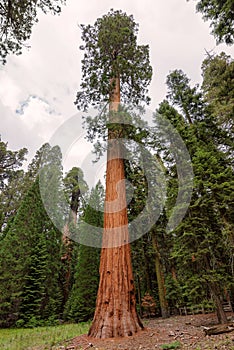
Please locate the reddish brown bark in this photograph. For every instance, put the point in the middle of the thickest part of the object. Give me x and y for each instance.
(115, 314)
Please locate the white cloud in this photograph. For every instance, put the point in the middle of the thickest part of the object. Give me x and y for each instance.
(51, 68)
(9, 91)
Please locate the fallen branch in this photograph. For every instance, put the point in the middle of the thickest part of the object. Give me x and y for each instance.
(223, 328)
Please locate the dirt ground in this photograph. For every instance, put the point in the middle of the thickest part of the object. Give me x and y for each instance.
(187, 332)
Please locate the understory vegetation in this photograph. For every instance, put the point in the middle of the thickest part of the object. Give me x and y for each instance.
(41, 337)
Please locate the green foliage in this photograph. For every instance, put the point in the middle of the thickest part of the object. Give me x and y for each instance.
(16, 182)
(174, 292)
(10, 161)
(51, 186)
(143, 255)
(221, 14)
(75, 188)
(11, 184)
(199, 241)
(30, 263)
(17, 19)
(186, 98)
(37, 161)
(218, 81)
(174, 345)
(11, 196)
(81, 303)
(110, 51)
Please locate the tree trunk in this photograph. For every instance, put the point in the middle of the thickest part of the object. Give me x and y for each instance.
(160, 279)
(224, 328)
(215, 293)
(115, 314)
(222, 318)
(68, 243)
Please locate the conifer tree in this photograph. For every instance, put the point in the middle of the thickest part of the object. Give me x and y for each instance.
(217, 87)
(199, 238)
(114, 69)
(30, 262)
(11, 184)
(74, 187)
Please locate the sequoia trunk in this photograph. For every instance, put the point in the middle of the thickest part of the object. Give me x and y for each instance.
(115, 314)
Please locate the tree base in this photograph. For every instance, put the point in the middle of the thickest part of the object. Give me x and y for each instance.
(104, 331)
(115, 314)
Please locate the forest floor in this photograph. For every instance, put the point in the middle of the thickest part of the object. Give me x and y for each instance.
(177, 332)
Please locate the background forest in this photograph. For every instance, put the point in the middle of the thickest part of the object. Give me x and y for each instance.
(48, 278)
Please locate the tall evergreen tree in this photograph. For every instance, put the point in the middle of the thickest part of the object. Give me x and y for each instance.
(217, 86)
(9, 161)
(200, 237)
(11, 185)
(113, 64)
(75, 186)
(30, 262)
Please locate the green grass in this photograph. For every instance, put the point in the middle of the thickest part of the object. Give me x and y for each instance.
(41, 338)
(174, 345)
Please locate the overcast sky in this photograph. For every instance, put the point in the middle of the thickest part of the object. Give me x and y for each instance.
(38, 88)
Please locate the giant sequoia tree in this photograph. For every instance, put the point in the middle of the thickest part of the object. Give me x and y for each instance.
(114, 68)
